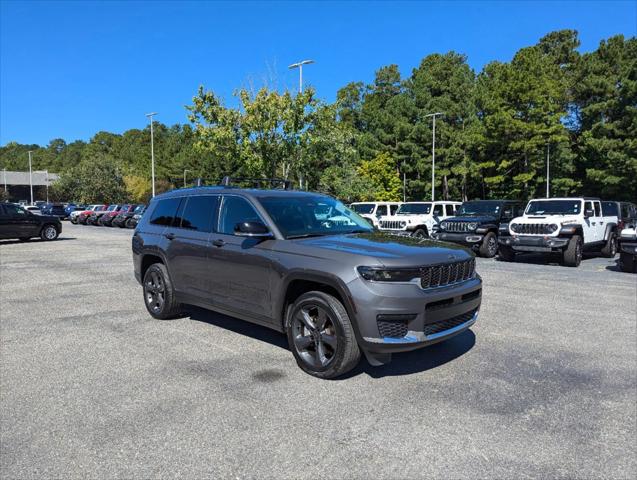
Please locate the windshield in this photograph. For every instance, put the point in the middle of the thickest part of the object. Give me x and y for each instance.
(554, 207)
(414, 208)
(307, 216)
(363, 208)
(111, 208)
(138, 209)
(479, 208)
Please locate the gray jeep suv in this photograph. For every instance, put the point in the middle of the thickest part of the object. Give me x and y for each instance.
(303, 264)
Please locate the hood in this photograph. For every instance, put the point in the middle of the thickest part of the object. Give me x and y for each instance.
(533, 219)
(479, 219)
(389, 250)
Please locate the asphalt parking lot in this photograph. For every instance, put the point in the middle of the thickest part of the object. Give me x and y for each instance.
(544, 385)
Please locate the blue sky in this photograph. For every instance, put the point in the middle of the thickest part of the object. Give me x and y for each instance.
(71, 69)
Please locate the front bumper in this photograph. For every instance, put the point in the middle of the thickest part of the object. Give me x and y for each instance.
(467, 238)
(426, 316)
(628, 247)
(532, 243)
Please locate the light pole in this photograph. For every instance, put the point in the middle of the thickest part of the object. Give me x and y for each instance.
(548, 161)
(4, 170)
(433, 153)
(185, 170)
(46, 180)
(30, 176)
(299, 65)
(152, 150)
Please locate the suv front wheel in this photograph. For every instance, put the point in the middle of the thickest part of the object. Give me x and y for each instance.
(321, 336)
(159, 294)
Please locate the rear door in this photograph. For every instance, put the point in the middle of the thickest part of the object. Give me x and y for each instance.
(189, 244)
(239, 267)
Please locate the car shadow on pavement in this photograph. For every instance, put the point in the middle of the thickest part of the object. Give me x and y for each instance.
(236, 325)
(420, 360)
(553, 260)
(405, 363)
(35, 240)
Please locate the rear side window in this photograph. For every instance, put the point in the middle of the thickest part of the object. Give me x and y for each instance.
(165, 211)
(235, 210)
(393, 209)
(609, 209)
(449, 209)
(438, 210)
(200, 213)
(597, 209)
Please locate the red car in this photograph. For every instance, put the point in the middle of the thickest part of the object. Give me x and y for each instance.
(82, 216)
(106, 220)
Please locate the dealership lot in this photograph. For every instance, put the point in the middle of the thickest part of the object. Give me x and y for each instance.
(543, 385)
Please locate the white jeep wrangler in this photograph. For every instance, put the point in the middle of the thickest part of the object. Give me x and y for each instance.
(565, 225)
(372, 211)
(418, 218)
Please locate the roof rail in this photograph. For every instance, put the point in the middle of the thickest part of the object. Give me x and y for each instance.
(228, 181)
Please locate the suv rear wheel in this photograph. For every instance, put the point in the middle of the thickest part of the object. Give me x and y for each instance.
(572, 255)
(489, 245)
(321, 336)
(159, 294)
(610, 249)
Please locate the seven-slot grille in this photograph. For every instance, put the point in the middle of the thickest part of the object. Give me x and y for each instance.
(457, 226)
(391, 224)
(441, 326)
(531, 228)
(447, 273)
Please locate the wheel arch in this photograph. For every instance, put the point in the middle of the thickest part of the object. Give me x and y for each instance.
(300, 282)
(610, 228)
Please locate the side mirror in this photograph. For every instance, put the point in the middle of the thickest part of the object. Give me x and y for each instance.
(252, 229)
(588, 213)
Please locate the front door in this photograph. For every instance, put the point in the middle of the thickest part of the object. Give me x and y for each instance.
(240, 267)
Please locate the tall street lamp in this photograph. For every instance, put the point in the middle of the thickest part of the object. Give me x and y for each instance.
(30, 176)
(299, 65)
(548, 161)
(4, 170)
(433, 153)
(152, 150)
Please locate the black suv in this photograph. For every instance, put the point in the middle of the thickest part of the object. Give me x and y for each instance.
(17, 222)
(304, 264)
(477, 224)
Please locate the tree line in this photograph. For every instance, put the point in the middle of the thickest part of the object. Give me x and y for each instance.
(497, 130)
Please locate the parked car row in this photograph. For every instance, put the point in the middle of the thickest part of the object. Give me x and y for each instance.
(565, 226)
(116, 215)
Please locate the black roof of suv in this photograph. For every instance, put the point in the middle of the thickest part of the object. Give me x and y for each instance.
(304, 264)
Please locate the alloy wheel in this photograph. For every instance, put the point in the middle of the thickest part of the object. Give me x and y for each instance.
(50, 233)
(492, 246)
(154, 290)
(314, 336)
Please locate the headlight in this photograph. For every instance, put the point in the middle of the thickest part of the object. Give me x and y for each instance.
(514, 227)
(472, 226)
(552, 227)
(443, 226)
(402, 224)
(387, 275)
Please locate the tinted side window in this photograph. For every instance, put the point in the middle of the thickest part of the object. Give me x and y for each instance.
(393, 209)
(13, 210)
(165, 211)
(233, 211)
(381, 210)
(597, 209)
(438, 210)
(449, 209)
(200, 213)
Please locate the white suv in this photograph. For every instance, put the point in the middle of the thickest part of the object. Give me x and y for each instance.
(372, 211)
(565, 225)
(418, 218)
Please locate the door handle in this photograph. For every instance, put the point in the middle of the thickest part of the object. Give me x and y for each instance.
(218, 243)
(169, 236)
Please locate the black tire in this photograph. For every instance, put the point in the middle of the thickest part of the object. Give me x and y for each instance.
(49, 232)
(129, 223)
(159, 294)
(420, 233)
(610, 249)
(489, 246)
(627, 262)
(506, 254)
(73, 220)
(314, 353)
(572, 255)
